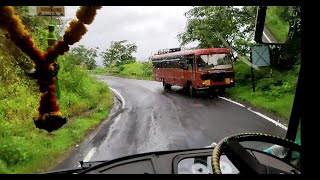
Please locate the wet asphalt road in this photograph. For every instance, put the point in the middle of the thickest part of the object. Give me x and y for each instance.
(152, 119)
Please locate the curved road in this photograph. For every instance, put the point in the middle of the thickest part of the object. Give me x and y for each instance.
(152, 119)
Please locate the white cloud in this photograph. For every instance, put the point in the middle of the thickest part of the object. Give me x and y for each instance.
(151, 28)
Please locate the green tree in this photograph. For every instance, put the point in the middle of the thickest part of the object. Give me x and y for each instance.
(85, 56)
(120, 52)
(234, 24)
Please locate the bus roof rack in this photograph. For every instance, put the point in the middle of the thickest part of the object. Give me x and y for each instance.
(164, 51)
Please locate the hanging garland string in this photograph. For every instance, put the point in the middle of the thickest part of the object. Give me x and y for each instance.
(49, 115)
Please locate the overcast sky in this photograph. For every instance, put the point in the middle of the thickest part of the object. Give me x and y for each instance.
(151, 28)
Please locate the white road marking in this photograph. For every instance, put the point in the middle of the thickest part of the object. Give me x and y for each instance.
(277, 123)
(90, 154)
(93, 150)
(266, 36)
(231, 101)
(117, 118)
(122, 99)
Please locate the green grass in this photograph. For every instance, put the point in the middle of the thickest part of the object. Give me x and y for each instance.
(281, 107)
(276, 24)
(137, 70)
(85, 101)
(41, 152)
(274, 93)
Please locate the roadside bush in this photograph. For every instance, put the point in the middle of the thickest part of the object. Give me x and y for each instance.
(242, 73)
(147, 69)
(3, 167)
(121, 68)
(12, 153)
(274, 88)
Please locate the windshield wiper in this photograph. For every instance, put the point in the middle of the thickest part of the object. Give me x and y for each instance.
(83, 166)
(91, 164)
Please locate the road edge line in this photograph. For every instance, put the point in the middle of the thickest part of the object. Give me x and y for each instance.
(122, 99)
(277, 123)
(90, 154)
(232, 101)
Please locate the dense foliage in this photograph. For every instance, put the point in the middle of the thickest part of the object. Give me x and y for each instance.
(84, 56)
(234, 24)
(120, 52)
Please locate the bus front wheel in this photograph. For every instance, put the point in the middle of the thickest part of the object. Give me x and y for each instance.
(192, 91)
(222, 91)
(166, 87)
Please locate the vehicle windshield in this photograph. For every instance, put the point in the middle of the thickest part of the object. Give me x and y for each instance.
(97, 83)
(214, 61)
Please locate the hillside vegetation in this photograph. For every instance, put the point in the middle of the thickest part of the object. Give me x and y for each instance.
(136, 70)
(85, 101)
(274, 93)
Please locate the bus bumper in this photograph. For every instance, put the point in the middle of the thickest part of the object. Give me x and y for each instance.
(215, 87)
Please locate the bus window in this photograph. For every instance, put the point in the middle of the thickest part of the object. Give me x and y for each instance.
(182, 64)
(214, 61)
(175, 64)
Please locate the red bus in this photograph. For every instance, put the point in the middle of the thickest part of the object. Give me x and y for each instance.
(194, 70)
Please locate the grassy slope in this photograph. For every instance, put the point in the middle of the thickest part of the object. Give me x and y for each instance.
(281, 106)
(137, 70)
(23, 147)
(274, 93)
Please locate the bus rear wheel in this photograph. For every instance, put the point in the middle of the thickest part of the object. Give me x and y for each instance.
(166, 87)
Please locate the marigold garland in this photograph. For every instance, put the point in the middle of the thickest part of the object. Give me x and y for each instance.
(49, 115)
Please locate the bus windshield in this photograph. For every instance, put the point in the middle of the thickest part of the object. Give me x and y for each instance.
(214, 61)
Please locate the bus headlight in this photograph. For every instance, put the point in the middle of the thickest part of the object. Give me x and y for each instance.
(206, 82)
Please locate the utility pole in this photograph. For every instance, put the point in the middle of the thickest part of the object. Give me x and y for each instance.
(252, 73)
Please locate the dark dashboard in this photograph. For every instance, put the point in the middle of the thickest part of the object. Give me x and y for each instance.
(195, 161)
